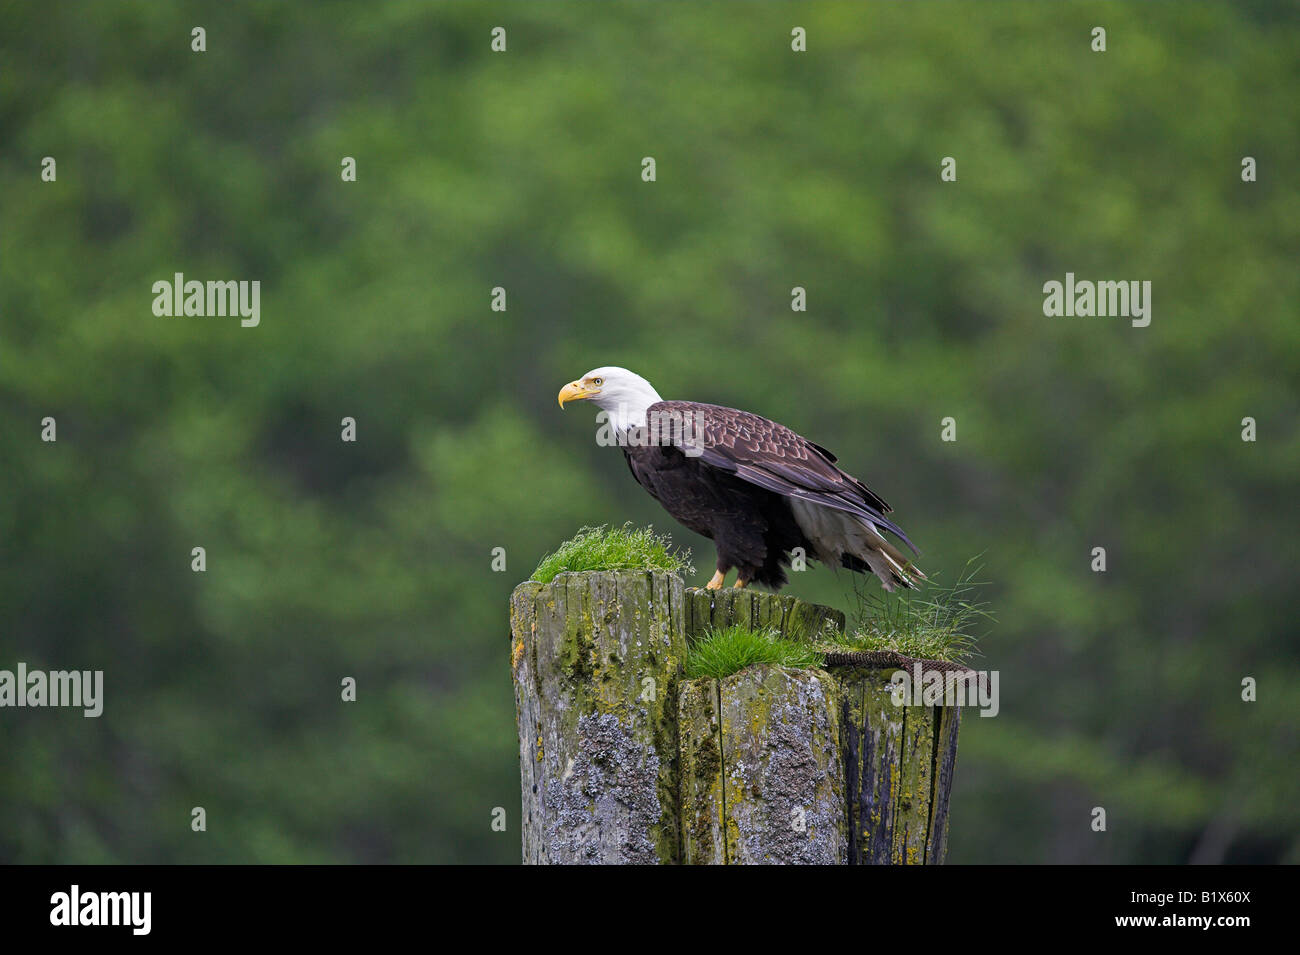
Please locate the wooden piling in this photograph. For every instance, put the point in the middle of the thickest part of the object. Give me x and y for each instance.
(623, 760)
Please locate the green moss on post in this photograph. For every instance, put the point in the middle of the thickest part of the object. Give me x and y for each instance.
(872, 751)
(898, 767)
(596, 659)
(782, 777)
(916, 768)
(702, 808)
(622, 760)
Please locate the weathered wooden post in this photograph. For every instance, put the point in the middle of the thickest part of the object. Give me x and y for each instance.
(762, 780)
(624, 760)
(898, 763)
(596, 660)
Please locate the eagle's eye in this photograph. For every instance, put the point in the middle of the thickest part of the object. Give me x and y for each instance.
(598, 381)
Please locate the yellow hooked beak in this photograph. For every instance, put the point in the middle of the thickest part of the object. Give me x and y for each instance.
(575, 391)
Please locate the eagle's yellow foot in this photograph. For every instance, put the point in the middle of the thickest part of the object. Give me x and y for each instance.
(715, 582)
(740, 583)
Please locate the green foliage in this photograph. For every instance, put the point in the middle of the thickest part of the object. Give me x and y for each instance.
(932, 623)
(720, 653)
(614, 548)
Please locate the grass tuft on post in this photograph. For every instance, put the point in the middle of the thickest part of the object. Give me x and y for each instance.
(614, 548)
(936, 623)
(722, 652)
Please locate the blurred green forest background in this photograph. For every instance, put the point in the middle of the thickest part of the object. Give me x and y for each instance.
(775, 169)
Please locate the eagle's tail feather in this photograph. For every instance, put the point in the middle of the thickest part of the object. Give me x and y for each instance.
(903, 567)
(855, 543)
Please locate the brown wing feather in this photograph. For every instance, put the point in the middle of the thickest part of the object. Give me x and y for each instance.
(770, 455)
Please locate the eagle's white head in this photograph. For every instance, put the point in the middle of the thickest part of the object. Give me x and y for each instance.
(623, 394)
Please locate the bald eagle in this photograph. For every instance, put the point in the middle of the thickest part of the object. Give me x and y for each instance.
(752, 486)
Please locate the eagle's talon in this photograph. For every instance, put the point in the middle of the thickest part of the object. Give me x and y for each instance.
(716, 581)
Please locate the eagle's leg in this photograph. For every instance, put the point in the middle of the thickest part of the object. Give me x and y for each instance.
(740, 583)
(715, 582)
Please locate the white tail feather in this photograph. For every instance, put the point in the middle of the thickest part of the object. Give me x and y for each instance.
(835, 533)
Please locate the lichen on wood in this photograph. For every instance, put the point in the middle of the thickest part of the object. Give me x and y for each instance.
(899, 764)
(624, 760)
(782, 778)
(703, 810)
(597, 658)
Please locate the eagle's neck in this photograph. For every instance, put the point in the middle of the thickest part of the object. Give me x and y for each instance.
(624, 417)
(627, 409)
